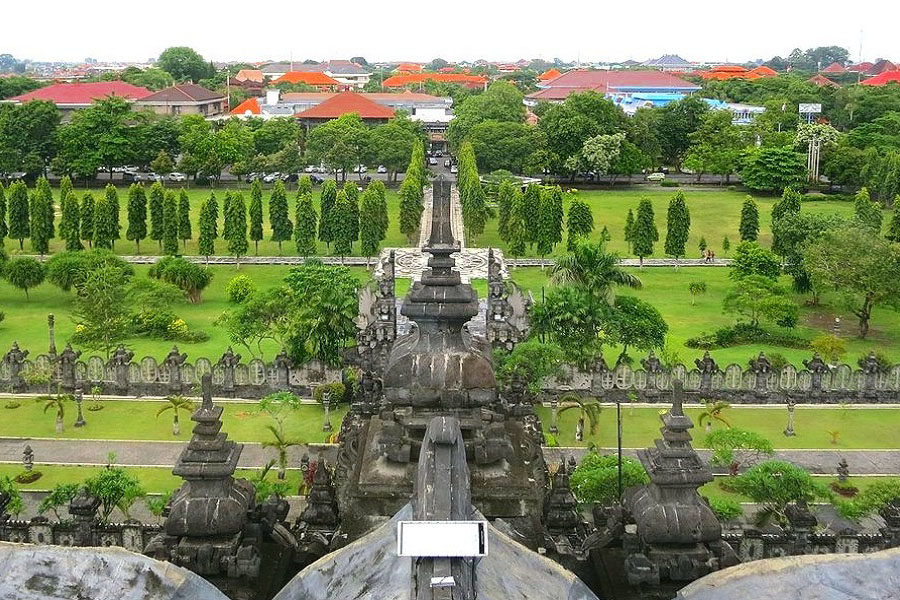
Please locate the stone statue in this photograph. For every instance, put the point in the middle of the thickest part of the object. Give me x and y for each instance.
(872, 369)
(708, 369)
(66, 361)
(15, 360)
(654, 367)
(843, 470)
(174, 359)
(120, 361)
(817, 369)
(762, 368)
(228, 362)
(282, 365)
(28, 458)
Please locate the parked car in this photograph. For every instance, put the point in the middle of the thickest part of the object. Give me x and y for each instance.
(360, 169)
(453, 169)
(290, 177)
(432, 161)
(655, 177)
(439, 154)
(316, 179)
(381, 169)
(157, 177)
(271, 177)
(178, 177)
(309, 169)
(448, 163)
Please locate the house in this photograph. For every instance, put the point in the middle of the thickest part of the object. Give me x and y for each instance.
(883, 79)
(69, 97)
(185, 99)
(250, 76)
(342, 104)
(834, 68)
(764, 71)
(613, 84)
(316, 79)
(861, 67)
(882, 66)
(470, 81)
(822, 81)
(549, 74)
(725, 72)
(669, 62)
(277, 69)
(248, 108)
(408, 68)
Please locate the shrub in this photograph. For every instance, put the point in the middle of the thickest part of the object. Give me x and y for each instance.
(726, 509)
(871, 500)
(190, 277)
(830, 347)
(778, 360)
(26, 477)
(745, 333)
(67, 270)
(337, 390)
(24, 273)
(240, 288)
(669, 183)
(12, 404)
(884, 363)
(596, 478)
(550, 440)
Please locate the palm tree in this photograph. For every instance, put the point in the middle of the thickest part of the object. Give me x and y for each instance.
(592, 268)
(281, 445)
(55, 402)
(176, 403)
(590, 410)
(713, 412)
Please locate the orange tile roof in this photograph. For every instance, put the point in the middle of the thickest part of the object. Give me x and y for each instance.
(346, 103)
(408, 68)
(401, 80)
(307, 77)
(254, 75)
(764, 71)
(883, 78)
(250, 105)
(549, 74)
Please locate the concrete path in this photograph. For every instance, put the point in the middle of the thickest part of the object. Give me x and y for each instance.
(164, 454)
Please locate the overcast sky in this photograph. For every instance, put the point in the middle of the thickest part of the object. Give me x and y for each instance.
(588, 30)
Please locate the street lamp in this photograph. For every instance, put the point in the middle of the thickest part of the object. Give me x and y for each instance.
(326, 401)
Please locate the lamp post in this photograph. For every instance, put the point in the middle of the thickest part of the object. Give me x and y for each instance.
(554, 421)
(79, 398)
(326, 402)
(789, 430)
(619, 447)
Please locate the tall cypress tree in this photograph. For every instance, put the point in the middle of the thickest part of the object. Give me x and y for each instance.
(893, 232)
(343, 227)
(70, 222)
(104, 226)
(550, 221)
(749, 227)
(88, 216)
(65, 192)
(209, 229)
(629, 229)
(4, 230)
(788, 204)
(369, 224)
(255, 212)
(137, 215)
(645, 232)
(304, 186)
(184, 218)
(580, 222)
(410, 210)
(112, 200)
(505, 194)
(19, 227)
(352, 193)
(157, 219)
(326, 205)
(305, 229)
(378, 189)
(678, 226)
(516, 230)
(236, 226)
(532, 215)
(41, 219)
(170, 223)
(282, 228)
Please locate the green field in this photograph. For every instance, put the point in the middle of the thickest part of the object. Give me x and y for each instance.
(137, 420)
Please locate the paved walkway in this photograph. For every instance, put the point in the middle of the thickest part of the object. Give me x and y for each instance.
(164, 454)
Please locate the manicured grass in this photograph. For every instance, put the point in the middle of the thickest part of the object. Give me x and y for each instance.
(26, 321)
(129, 420)
(715, 213)
(667, 290)
(713, 489)
(859, 428)
(154, 480)
(197, 195)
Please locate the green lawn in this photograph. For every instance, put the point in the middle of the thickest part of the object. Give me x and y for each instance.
(197, 196)
(858, 428)
(154, 480)
(128, 420)
(26, 321)
(667, 290)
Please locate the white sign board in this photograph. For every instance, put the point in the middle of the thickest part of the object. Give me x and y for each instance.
(442, 538)
(810, 109)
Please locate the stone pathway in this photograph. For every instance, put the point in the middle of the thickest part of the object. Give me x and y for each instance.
(164, 454)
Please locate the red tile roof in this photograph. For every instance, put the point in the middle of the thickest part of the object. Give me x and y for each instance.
(376, 96)
(549, 74)
(883, 78)
(345, 103)
(880, 67)
(822, 81)
(764, 71)
(307, 77)
(184, 92)
(401, 80)
(834, 67)
(610, 81)
(84, 93)
(408, 68)
(250, 105)
(861, 67)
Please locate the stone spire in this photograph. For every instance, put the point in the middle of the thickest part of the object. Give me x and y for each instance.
(210, 502)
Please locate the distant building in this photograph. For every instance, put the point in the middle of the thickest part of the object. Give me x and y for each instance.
(69, 97)
(669, 62)
(470, 81)
(860, 67)
(316, 79)
(884, 78)
(882, 66)
(822, 81)
(613, 84)
(834, 68)
(408, 68)
(342, 104)
(549, 75)
(185, 99)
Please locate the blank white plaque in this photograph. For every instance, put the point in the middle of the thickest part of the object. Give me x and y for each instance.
(442, 538)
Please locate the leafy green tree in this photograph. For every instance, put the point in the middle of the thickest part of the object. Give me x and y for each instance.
(326, 205)
(597, 155)
(773, 168)
(341, 143)
(137, 214)
(757, 297)
(255, 212)
(115, 488)
(862, 268)
(280, 443)
(352, 192)
(635, 323)
(596, 478)
(369, 223)
(629, 229)
(343, 227)
(235, 231)
(392, 143)
(678, 226)
(580, 222)
(696, 288)
(550, 221)
(737, 448)
(716, 145)
(104, 227)
(60, 496)
(170, 219)
(411, 209)
(749, 226)
(726, 245)
(157, 217)
(867, 213)
(24, 273)
(275, 135)
(530, 362)
(645, 233)
(102, 309)
(176, 403)
(282, 228)
(88, 216)
(712, 411)
(19, 227)
(777, 484)
(893, 232)
(502, 145)
(702, 245)
(209, 227)
(872, 500)
(305, 228)
(162, 164)
(573, 319)
(41, 218)
(184, 64)
(677, 123)
(591, 268)
(501, 102)
(187, 276)
(8, 487)
(789, 204)
(184, 218)
(752, 259)
(98, 136)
